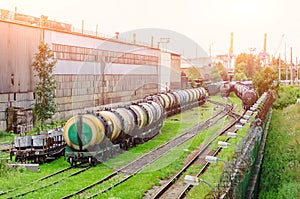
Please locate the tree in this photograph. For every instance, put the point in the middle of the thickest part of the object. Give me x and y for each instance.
(43, 66)
(222, 71)
(248, 64)
(239, 74)
(214, 74)
(194, 73)
(265, 80)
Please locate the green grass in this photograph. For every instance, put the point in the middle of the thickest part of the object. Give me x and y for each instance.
(213, 173)
(232, 99)
(140, 183)
(280, 170)
(172, 127)
(73, 184)
(6, 137)
(21, 177)
(163, 168)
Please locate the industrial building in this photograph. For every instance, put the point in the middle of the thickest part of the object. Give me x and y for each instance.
(91, 70)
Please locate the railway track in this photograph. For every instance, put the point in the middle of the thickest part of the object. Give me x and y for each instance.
(36, 181)
(175, 187)
(123, 174)
(8, 194)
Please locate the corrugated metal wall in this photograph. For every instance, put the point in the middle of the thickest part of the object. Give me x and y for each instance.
(123, 81)
(17, 46)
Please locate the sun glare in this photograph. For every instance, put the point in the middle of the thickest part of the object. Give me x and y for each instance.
(245, 11)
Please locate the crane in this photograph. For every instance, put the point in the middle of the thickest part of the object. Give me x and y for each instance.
(279, 45)
(275, 53)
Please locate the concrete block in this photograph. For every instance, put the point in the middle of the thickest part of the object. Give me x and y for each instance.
(59, 85)
(29, 167)
(59, 93)
(66, 85)
(63, 100)
(30, 96)
(22, 104)
(92, 78)
(4, 106)
(67, 78)
(96, 90)
(84, 91)
(74, 78)
(11, 97)
(67, 92)
(90, 90)
(76, 85)
(3, 125)
(74, 92)
(3, 97)
(84, 84)
(2, 115)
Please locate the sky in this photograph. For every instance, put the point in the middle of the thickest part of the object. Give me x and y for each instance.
(207, 22)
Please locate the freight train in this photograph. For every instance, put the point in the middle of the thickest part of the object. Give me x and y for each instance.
(246, 93)
(96, 137)
(39, 148)
(242, 90)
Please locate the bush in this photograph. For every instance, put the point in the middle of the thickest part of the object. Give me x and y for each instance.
(287, 95)
(280, 170)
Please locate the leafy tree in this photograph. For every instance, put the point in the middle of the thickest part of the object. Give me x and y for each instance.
(43, 66)
(222, 71)
(287, 95)
(239, 74)
(194, 73)
(265, 80)
(248, 64)
(215, 75)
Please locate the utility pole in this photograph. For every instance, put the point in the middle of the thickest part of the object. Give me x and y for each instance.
(230, 58)
(286, 69)
(291, 66)
(279, 68)
(297, 69)
(265, 50)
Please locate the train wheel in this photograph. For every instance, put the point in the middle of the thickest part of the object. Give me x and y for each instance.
(42, 159)
(18, 159)
(71, 161)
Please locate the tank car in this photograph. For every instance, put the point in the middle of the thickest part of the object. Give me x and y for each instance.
(226, 89)
(244, 91)
(246, 94)
(180, 100)
(93, 138)
(38, 148)
(96, 137)
(215, 88)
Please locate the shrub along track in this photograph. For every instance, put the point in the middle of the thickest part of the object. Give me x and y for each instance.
(175, 187)
(123, 174)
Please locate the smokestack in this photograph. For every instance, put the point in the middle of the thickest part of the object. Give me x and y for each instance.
(134, 38)
(117, 35)
(291, 66)
(231, 44)
(265, 42)
(291, 56)
(152, 40)
(82, 26)
(96, 30)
